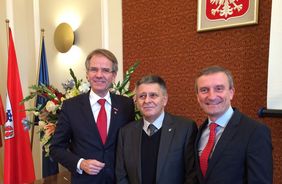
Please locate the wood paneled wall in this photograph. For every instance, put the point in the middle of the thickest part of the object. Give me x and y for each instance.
(162, 35)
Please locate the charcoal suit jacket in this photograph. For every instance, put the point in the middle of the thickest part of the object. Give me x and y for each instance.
(175, 163)
(243, 154)
(77, 137)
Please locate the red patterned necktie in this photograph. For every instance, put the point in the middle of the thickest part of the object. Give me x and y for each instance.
(102, 121)
(207, 150)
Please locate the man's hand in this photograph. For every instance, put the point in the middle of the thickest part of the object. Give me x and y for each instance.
(92, 167)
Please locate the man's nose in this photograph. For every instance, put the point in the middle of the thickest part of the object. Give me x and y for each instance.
(99, 73)
(212, 94)
(147, 99)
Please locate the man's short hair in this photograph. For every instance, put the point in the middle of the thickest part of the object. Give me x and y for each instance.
(102, 52)
(152, 79)
(212, 70)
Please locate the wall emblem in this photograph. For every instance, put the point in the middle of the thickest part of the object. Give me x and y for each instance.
(225, 9)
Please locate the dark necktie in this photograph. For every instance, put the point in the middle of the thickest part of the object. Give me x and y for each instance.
(102, 121)
(152, 129)
(207, 150)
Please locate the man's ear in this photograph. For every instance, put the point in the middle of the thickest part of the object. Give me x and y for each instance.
(232, 92)
(165, 100)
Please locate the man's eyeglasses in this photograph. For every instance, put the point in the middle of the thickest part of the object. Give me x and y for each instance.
(103, 70)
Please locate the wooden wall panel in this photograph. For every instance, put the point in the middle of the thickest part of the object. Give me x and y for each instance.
(162, 35)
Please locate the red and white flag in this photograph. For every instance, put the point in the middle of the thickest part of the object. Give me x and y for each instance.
(18, 162)
(2, 118)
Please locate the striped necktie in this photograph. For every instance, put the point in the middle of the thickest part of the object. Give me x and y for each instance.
(152, 129)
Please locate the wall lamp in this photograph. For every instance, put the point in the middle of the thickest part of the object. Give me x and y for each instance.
(64, 37)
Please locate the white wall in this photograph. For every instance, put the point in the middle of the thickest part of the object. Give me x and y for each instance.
(87, 15)
(3, 73)
(274, 87)
(98, 24)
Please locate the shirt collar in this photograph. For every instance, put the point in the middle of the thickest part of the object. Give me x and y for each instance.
(224, 119)
(94, 98)
(157, 123)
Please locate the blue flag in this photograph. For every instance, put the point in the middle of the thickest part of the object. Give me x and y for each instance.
(49, 166)
(43, 73)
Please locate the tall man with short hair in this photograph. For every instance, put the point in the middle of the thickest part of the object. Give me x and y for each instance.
(231, 147)
(85, 137)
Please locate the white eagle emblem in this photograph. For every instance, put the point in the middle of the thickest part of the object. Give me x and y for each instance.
(225, 7)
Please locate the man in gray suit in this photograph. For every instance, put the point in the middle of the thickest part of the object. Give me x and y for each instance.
(157, 149)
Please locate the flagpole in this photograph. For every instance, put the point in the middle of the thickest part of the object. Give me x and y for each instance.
(7, 31)
(37, 78)
(40, 53)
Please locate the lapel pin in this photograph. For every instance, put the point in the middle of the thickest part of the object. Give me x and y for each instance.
(115, 110)
(169, 130)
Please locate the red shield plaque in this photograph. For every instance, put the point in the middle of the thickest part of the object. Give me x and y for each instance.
(225, 9)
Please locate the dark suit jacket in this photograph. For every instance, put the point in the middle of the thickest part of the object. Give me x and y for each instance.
(77, 136)
(243, 154)
(175, 159)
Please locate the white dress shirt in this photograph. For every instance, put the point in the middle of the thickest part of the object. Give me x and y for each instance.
(95, 107)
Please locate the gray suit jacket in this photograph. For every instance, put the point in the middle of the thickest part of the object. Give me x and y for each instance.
(175, 158)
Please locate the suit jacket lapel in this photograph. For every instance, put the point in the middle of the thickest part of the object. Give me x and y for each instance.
(136, 147)
(226, 137)
(197, 158)
(113, 123)
(165, 142)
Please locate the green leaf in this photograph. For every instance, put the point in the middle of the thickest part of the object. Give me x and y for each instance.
(122, 87)
(76, 82)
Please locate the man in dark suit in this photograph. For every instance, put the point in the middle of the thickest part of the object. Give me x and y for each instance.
(231, 147)
(157, 149)
(86, 133)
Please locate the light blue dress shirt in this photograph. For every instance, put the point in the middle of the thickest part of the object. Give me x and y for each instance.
(157, 123)
(222, 123)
